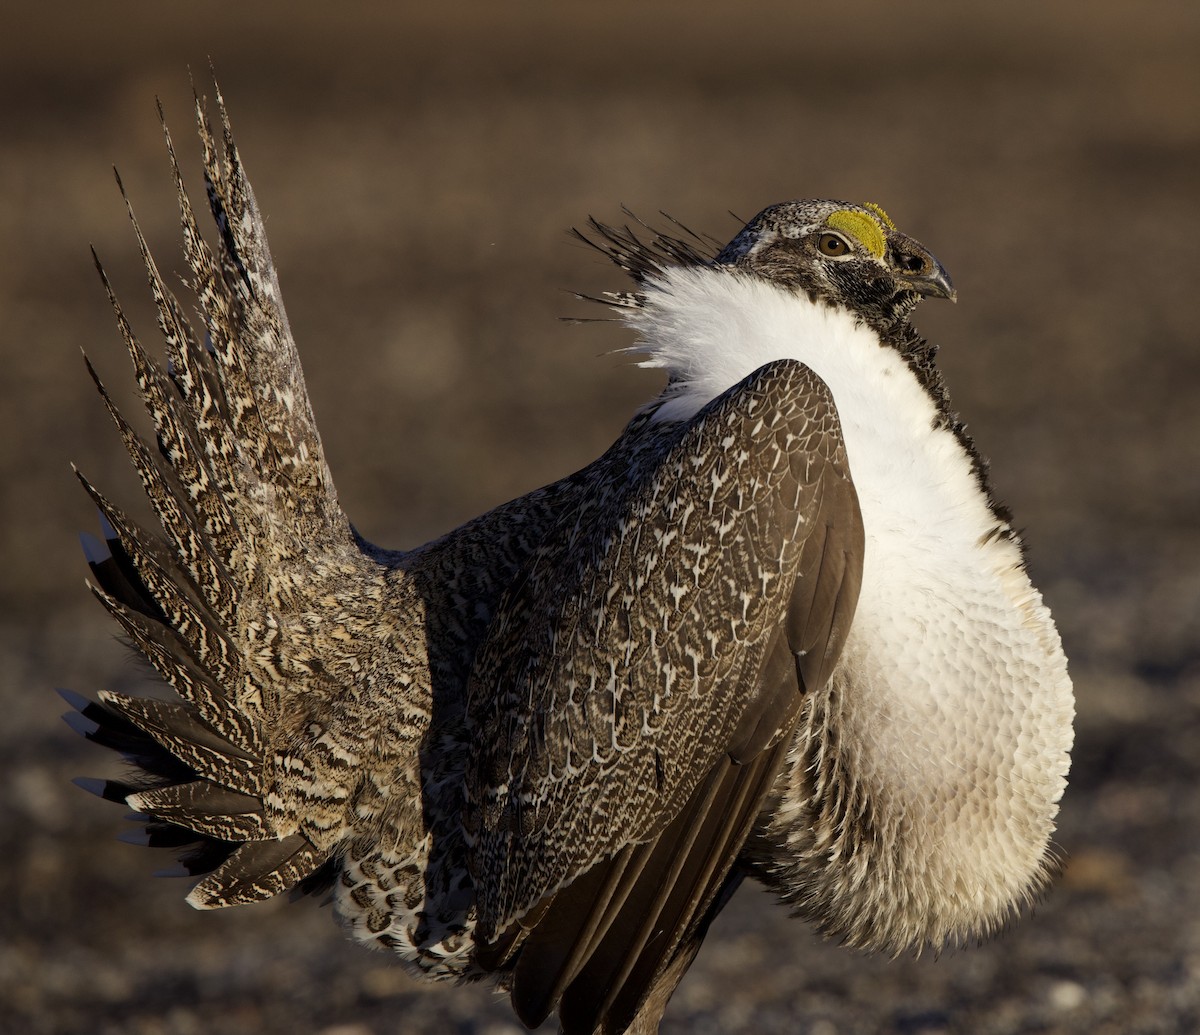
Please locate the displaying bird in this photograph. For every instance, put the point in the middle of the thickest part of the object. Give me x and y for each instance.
(781, 629)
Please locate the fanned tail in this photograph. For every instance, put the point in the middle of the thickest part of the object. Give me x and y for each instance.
(233, 602)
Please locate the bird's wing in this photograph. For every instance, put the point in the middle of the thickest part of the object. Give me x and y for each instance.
(257, 603)
(645, 677)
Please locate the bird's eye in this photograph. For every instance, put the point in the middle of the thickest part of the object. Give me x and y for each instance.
(833, 245)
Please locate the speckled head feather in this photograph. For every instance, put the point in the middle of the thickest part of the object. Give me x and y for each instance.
(840, 254)
(783, 245)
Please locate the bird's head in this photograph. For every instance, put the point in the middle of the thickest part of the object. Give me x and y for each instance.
(845, 255)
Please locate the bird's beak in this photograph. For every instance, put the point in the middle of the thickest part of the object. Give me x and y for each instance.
(917, 270)
(934, 284)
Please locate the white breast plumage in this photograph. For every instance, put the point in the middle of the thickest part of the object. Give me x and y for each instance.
(952, 705)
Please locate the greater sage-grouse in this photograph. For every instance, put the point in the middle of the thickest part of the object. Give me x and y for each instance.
(780, 629)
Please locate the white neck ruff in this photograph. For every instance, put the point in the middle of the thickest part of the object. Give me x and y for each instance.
(955, 705)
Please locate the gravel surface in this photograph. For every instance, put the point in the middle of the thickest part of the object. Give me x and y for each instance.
(418, 170)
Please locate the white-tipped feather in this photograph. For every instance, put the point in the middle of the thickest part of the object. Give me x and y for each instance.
(91, 784)
(94, 550)
(76, 701)
(106, 528)
(85, 727)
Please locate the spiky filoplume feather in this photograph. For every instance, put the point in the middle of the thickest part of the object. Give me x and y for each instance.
(547, 746)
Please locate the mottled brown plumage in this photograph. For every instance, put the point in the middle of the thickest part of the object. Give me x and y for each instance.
(597, 677)
(547, 746)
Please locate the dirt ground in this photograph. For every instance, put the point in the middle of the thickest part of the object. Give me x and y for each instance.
(418, 169)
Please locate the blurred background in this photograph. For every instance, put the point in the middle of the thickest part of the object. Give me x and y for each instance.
(419, 166)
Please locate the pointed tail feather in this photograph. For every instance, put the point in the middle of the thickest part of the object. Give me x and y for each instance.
(257, 603)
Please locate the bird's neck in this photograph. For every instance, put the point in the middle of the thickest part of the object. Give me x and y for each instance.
(710, 327)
